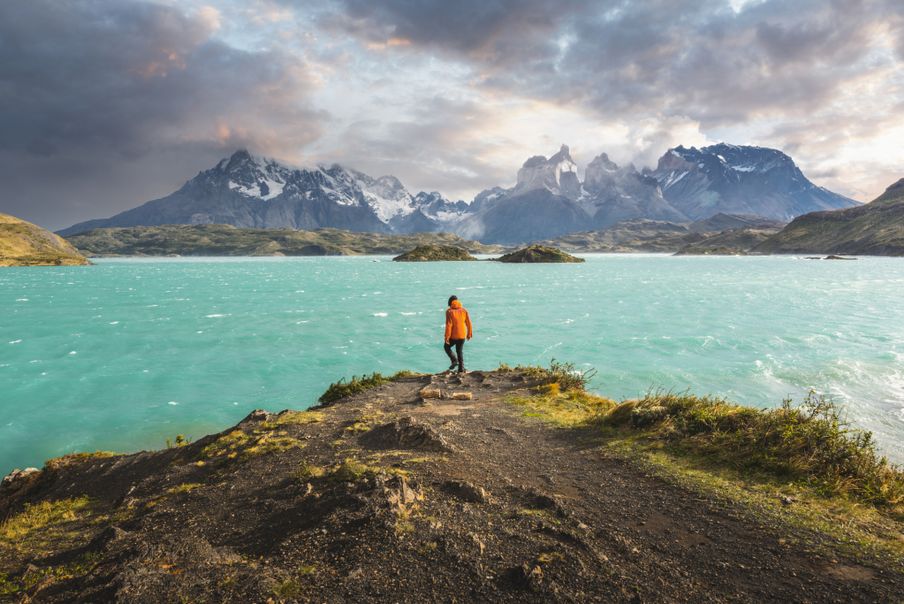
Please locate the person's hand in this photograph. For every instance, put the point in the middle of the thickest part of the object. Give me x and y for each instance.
(447, 342)
(469, 337)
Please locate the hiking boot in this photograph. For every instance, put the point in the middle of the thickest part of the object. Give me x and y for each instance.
(461, 371)
(451, 367)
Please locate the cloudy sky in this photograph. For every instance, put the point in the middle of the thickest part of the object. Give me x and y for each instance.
(105, 104)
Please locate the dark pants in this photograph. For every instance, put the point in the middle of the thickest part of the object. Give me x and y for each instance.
(459, 345)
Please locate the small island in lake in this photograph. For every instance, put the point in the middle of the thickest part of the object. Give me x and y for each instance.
(434, 253)
(25, 244)
(538, 253)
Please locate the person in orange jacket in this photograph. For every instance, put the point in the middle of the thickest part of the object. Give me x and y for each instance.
(458, 329)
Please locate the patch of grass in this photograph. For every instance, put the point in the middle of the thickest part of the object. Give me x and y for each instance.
(272, 443)
(38, 516)
(47, 575)
(341, 389)
(228, 445)
(294, 418)
(809, 443)
(307, 471)
(76, 458)
(239, 443)
(185, 487)
(351, 470)
(47, 526)
(568, 410)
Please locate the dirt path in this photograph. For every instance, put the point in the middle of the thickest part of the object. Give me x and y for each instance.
(390, 497)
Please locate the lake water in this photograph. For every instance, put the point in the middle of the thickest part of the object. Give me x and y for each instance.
(125, 354)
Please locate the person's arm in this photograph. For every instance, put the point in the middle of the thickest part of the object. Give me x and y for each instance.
(468, 323)
(448, 326)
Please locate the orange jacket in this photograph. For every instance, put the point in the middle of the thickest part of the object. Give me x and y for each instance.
(458, 323)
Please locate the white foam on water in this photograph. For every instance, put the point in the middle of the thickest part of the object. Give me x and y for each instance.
(72, 353)
(381, 314)
(216, 316)
(21, 299)
(173, 403)
(15, 341)
(409, 314)
(114, 322)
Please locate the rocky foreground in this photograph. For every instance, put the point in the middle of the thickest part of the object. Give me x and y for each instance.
(422, 488)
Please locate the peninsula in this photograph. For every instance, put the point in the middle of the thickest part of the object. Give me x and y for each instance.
(514, 485)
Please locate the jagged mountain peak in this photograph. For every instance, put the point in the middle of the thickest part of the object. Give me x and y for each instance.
(558, 175)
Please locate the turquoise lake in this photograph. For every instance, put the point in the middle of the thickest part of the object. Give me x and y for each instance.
(127, 353)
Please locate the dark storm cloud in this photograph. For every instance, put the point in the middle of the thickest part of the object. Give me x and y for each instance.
(694, 58)
(88, 87)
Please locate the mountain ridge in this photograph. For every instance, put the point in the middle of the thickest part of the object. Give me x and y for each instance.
(548, 199)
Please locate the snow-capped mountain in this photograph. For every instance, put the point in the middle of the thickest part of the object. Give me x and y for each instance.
(547, 201)
(249, 191)
(740, 180)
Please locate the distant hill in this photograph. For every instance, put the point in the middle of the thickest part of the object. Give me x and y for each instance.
(25, 244)
(629, 236)
(227, 240)
(723, 222)
(876, 228)
(727, 243)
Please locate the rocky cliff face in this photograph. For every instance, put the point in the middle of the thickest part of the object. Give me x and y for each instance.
(740, 180)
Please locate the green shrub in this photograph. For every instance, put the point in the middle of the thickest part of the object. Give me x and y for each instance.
(341, 389)
(563, 374)
(809, 441)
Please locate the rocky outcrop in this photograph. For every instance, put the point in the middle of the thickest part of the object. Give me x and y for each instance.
(434, 253)
(538, 254)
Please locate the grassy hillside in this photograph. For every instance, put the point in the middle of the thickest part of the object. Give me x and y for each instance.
(727, 243)
(876, 228)
(25, 244)
(226, 240)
